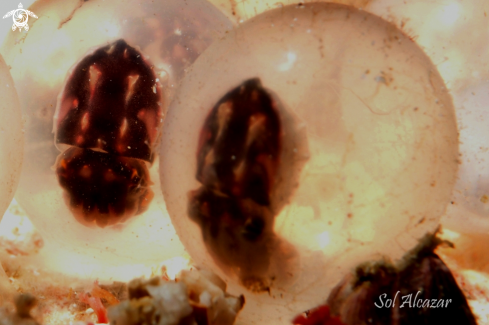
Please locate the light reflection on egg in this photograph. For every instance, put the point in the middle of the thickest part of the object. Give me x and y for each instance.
(380, 164)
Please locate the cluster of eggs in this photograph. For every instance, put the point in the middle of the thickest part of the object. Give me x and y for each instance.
(307, 140)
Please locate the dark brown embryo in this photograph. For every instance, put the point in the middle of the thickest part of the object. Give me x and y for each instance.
(109, 113)
(237, 160)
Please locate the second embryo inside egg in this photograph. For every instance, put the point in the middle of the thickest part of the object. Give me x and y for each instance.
(361, 167)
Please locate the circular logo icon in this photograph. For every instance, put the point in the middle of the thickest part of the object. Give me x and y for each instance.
(20, 17)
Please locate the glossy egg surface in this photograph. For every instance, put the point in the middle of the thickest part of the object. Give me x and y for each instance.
(11, 138)
(362, 165)
(11, 153)
(168, 35)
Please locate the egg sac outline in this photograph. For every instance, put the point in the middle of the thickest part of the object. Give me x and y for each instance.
(109, 112)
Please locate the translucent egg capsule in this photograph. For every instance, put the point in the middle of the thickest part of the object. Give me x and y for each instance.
(100, 74)
(310, 139)
(469, 208)
(11, 138)
(11, 149)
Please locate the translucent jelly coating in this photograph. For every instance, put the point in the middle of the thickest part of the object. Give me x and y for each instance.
(11, 138)
(11, 155)
(103, 189)
(112, 102)
(469, 211)
(237, 160)
(168, 33)
(382, 147)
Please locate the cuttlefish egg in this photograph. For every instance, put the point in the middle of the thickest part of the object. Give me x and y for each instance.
(310, 139)
(94, 193)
